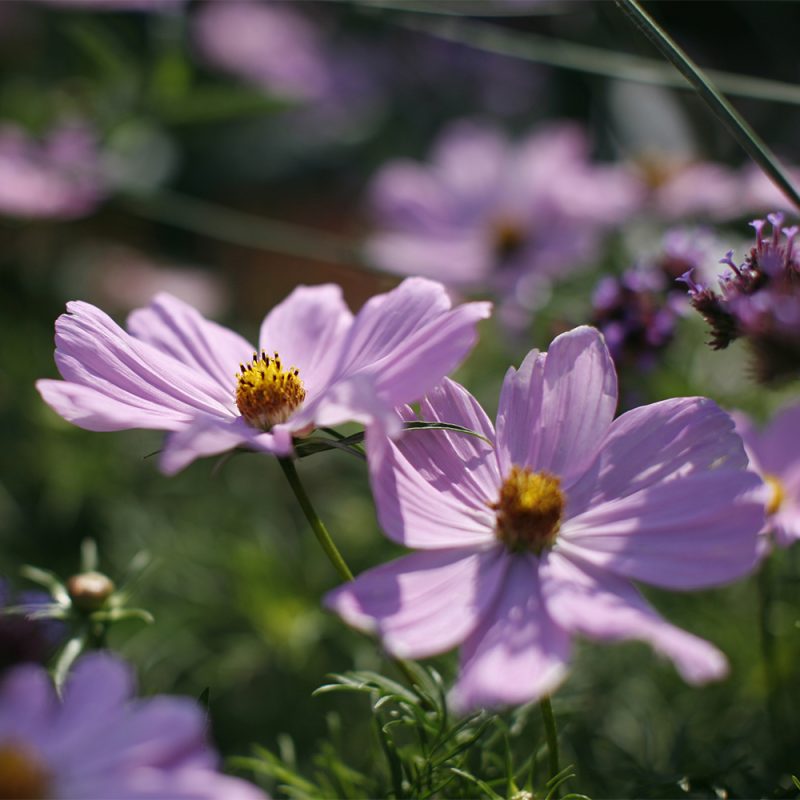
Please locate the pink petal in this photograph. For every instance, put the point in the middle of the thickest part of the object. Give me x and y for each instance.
(778, 446)
(553, 417)
(92, 351)
(425, 603)
(28, 702)
(459, 259)
(307, 330)
(405, 195)
(150, 784)
(161, 732)
(400, 345)
(785, 526)
(470, 160)
(519, 410)
(586, 601)
(176, 328)
(208, 436)
(655, 443)
(354, 399)
(94, 411)
(459, 464)
(518, 653)
(690, 532)
(419, 504)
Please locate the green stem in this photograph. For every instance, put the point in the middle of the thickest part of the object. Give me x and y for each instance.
(327, 543)
(247, 230)
(749, 140)
(71, 650)
(317, 525)
(551, 735)
(564, 54)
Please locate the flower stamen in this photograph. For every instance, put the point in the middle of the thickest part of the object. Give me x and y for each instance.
(777, 494)
(266, 393)
(22, 774)
(529, 510)
(508, 237)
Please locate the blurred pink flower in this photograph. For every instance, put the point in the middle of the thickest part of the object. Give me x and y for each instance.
(486, 213)
(98, 742)
(270, 45)
(760, 194)
(775, 455)
(122, 278)
(701, 189)
(536, 535)
(59, 177)
(318, 365)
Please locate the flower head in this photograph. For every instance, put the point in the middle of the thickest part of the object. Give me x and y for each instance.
(537, 535)
(176, 371)
(59, 177)
(775, 455)
(98, 742)
(486, 213)
(758, 300)
(270, 45)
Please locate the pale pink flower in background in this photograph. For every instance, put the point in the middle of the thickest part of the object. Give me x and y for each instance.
(489, 214)
(268, 44)
(695, 189)
(99, 742)
(317, 365)
(59, 177)
(536, 535)
(122, 278)
(760, 195)
(774, 454)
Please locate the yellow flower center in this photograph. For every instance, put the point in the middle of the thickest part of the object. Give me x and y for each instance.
(22, 774)
(266, 393)
(778, 494)
(508, 237)
(529, 510)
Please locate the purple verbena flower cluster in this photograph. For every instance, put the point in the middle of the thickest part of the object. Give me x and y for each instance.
(758, 300)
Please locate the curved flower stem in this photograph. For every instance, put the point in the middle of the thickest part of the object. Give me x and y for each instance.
(551, 734)
(317, 525)
(747, 138)
(327, 543)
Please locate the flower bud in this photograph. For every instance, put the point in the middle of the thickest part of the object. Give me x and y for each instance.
(90, 590)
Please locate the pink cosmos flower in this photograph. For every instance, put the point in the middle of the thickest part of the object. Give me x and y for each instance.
(775, 455)
(703, 189)
(488, 213)
(270, 45)
(316, 365)
(98, 743)
(536, 535)
(59, 177)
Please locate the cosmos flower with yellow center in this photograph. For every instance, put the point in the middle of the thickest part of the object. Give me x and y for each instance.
(535, 533)
(317, 365)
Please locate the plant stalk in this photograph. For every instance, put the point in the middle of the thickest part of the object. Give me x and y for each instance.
(737, 126)
(551, 734)
(317, 525)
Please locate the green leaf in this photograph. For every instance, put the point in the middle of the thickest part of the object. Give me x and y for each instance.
(49, 581)
(484, 787)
